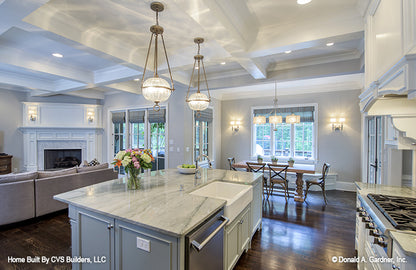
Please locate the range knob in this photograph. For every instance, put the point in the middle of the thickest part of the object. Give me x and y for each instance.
(359, 209)
(362, 213)
(367, 219)
(375, 232)
(370, 226)
(380, 241)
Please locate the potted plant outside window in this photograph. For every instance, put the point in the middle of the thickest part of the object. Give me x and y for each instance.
(259, 159)
(291, 161)
(274, 159)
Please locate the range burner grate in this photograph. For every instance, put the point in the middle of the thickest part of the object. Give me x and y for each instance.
(400, 211)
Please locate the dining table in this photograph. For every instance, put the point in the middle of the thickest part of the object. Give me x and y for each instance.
(299, 169)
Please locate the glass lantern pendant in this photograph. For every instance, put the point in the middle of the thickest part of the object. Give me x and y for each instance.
(198, 101)
(155, 88)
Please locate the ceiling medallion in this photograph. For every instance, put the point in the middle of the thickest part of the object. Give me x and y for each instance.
(198, 101)
(155, 88)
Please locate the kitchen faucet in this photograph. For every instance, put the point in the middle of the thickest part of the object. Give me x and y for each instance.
(197, 168)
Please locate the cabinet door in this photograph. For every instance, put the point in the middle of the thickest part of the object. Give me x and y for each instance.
(95, 240)
(256, 207)
(231, 244)
(140, 248)
(244, 230)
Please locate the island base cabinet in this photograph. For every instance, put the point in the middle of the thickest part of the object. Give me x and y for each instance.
(138, 248)
(237, 238)
(113, 244)
(92, 240)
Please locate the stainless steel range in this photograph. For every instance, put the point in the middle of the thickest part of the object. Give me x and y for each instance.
(399, 211)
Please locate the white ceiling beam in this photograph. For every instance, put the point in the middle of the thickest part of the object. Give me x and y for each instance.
(232, 25)
(27, 60)
(115, 74)
(88, 93)
(25, 81)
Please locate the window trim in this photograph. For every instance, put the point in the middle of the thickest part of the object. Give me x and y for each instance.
(110, 144)
(211, 131)
(315, 132)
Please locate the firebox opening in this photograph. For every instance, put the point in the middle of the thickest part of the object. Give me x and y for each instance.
(61, 158)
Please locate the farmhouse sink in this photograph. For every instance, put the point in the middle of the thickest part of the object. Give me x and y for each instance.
(238, 196)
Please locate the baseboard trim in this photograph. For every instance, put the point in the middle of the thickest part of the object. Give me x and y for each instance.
(346, 186)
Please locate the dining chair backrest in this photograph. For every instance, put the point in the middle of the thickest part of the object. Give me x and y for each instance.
(255, 167)
(325, 170)
(231, 162)
(277, 171)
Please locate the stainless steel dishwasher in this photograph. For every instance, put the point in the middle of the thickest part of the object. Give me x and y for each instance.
(205, 245)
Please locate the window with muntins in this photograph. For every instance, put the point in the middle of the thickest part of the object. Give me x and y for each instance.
(141, 129)
(203, 134)
(285, 140)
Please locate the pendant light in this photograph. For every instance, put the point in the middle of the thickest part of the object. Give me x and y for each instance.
(198, 101)
(275, 119)
(155, 88)
(293, 119)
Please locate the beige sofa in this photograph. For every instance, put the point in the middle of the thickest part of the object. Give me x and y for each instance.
(28, 195)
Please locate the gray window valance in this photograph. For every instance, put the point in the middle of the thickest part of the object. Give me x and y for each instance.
(118, 117)
(205, 115)
(136, 116)
(307, 114)
(156, 117)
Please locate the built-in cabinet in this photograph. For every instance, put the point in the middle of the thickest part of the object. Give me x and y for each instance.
(237, 238)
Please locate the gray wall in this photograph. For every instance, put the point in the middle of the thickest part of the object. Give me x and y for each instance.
(179, 124)
(11, 139)
(340, 149)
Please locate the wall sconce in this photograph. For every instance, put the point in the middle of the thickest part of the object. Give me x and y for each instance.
(235, 125)
(90, 116)
(32, 113)
(337, 123)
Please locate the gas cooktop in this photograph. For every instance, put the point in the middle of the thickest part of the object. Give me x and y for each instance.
(400, 211)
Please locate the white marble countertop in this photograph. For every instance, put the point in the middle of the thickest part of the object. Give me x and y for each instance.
(364, 189)
(163, 202)
(405, 239)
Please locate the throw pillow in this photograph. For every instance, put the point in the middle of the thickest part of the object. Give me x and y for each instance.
(93, 168)
(93, 162)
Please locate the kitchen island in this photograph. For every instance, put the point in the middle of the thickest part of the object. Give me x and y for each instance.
(381, 245)
(117, 228)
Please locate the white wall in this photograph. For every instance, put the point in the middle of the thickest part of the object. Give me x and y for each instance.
(179, 124)
(340, 149)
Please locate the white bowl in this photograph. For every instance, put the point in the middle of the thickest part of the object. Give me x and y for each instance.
(185, 170)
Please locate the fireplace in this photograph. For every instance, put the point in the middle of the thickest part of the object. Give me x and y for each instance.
(61, 158)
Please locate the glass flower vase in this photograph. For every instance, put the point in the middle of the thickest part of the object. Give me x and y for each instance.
(133, 178)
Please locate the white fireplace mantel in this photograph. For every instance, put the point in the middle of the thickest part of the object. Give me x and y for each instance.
(60, 126)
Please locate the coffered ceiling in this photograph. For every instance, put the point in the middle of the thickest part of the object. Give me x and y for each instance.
(104, 44)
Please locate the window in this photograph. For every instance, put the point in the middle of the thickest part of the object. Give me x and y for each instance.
(286, 140)
(203, 134)
(144, 128)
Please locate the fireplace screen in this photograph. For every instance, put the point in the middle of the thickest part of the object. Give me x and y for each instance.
(61, 158)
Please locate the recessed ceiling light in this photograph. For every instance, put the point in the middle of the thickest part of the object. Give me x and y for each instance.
(196, 67)
(330, 44)
(289, 51)
(303, 2)
(222, 63)
(57, 55)
(137, 79)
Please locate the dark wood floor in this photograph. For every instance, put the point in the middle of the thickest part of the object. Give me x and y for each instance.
(294, 236)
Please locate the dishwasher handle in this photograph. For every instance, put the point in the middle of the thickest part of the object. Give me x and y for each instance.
(200, 246)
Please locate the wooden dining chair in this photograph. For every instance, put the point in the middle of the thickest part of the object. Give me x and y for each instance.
(258, 167)
(320, 181)
(278, 175)
(231, 161)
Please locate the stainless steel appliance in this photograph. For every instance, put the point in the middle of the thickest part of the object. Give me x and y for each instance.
(205, 244)
(377, 215)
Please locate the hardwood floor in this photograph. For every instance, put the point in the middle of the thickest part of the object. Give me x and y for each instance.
(304, 235)
(294, 236)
